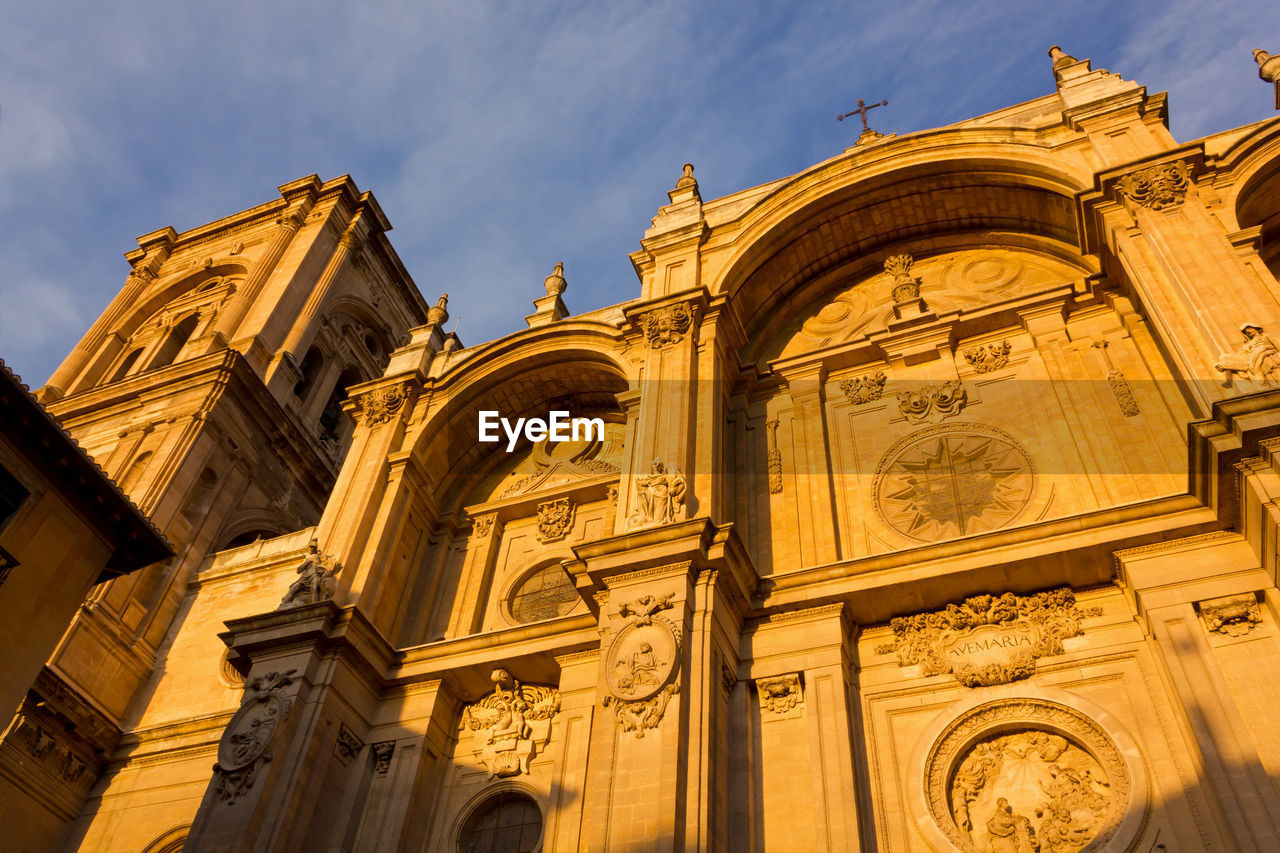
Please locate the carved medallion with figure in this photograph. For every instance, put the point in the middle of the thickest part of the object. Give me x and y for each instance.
(251, 734)
(642, 664)
(951, 481)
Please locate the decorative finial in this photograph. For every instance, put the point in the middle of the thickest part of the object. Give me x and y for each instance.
(1269, 70)
(555, 283)
(868, 135)
(687, 179)
(1060, 60)
(437, 314)
(905, 286)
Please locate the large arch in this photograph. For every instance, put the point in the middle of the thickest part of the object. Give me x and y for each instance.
(518, 376)
(1253, 197)
(935, 191)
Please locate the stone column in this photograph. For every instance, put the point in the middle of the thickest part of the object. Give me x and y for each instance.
(228, 323)
(815, 508)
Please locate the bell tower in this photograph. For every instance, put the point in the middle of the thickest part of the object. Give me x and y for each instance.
(211, 390)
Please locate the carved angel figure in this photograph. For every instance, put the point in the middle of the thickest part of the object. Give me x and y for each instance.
(316, 579)
(1258, 357)
(660, 495)
(1009, 832)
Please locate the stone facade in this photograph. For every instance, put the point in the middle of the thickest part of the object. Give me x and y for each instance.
(933, 512)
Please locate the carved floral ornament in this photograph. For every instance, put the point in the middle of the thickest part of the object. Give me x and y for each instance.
(864, 389)
(642, 664)
(989, 639)
(252, 733)
(381, 404)
(933, 402)
(988, 357)
(1157, 187)
(512, 724)
(1026, 775)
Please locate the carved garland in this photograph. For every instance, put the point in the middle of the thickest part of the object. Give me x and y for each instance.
(642, 665)
(961, 760)
(774, 457)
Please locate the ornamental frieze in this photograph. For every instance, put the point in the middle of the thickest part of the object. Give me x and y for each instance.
(989, 639)
(512, 724)
(1157, 187)
(642, 665)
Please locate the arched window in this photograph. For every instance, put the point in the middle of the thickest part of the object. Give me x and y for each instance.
(173, 344)
(335, 426)
(310, 369)
(248, 538)
(123, 369)
(545, 594)
(510, 822)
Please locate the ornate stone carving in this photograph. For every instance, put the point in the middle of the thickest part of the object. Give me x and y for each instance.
(347, 746)
(905, 286)
(780, 694)
(555, 519)
(933, 402)
(659, 495)
(1157, 187)
(668, 325)
(381, 405)
(1234, 615)
(642, 665)
(481, 526)
(316, 579)
(511, 724)
(1029, 775)
(864, 389)
(728, 680)
(1269, 70)
(382, 752)
(774, 457)
(251, 734)
(988, 639)
(988, 478)
(1257, 358)
(988, 357)
(1119, 385)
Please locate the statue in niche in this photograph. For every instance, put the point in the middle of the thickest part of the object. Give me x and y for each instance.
(659, 495)
(1258, 358)
(316, 581)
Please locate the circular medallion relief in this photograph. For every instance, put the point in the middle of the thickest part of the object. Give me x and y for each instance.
(250, 731)
(1021, 775)
(641, 660)
(953, 480)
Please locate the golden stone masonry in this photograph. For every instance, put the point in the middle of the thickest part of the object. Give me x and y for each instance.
(932, 508)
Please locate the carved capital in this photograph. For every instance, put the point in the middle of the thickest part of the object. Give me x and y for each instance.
(481, 526)
(668, 325)
(1233, 615)
(780, 695)
(382, 752)
(1157, 187)
(347, 746)
(381, 404)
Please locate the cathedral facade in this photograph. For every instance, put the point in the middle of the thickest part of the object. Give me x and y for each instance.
(930, 510)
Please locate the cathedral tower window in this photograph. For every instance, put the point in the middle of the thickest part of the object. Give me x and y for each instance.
(174, 343)
(129, 361)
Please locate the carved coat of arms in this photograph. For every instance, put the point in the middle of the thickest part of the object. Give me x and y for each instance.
(511, 724)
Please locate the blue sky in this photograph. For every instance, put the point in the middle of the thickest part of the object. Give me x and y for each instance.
(502, 137)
